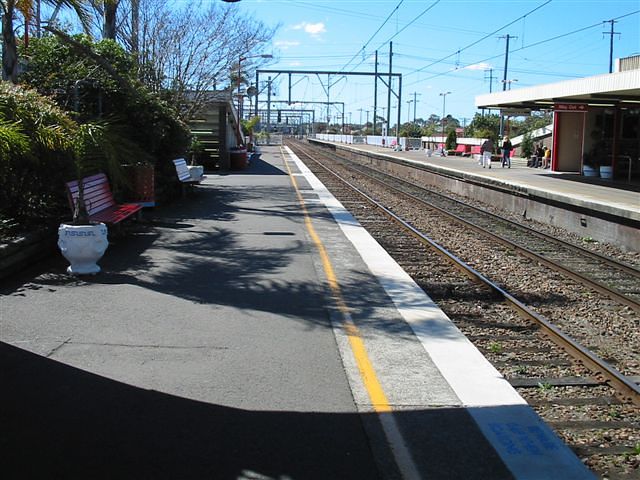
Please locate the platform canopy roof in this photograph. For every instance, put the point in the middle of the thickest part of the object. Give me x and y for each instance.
(601, 90)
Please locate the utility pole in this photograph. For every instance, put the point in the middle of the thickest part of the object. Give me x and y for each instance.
(389, 85)
(444, 98)
(328, 112)
(268, 105)
(506, 61)
(491, 77)
(415, 101)
(504, 79)
(611, 33)
(490, 82)
(375, 95)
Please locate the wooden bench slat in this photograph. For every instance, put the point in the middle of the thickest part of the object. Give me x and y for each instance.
(184, 175)
(116, 214)
(99, 201)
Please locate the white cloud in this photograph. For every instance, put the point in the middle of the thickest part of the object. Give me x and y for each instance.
(478, 66)
(312, 29)
(295, 64)
(285, 44)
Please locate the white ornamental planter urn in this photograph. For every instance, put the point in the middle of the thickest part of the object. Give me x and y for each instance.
(83, 246)
(606, 172)
(196, 172)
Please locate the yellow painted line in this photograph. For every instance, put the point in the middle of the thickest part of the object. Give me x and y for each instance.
(367, 372)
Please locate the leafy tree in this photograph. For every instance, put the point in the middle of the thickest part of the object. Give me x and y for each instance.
(451, 140)
(411, 130)
(9, 9)
(64, 70)
(35, 159)
(484, 126)
(527, 145)
(208, 56)
(451, 123)
(537, 120)
(109, 10)
(98, 79)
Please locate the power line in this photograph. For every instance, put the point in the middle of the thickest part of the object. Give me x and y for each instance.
(409, 24)
(557, 37)
(399, 32)
(372, 36)
(482, 39)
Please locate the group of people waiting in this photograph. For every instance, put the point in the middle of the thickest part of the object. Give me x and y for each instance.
(486, 152)
(541, 157)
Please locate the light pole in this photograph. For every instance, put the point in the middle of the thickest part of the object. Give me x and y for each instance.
(240, 60)
(444, 98)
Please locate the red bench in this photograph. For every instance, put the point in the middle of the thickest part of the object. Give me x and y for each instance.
(98, 198)
(475, 150)
(460, 150)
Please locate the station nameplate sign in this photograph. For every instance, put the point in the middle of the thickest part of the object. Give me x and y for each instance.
(570, 107)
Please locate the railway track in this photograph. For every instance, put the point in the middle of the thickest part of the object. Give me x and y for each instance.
(590, 403)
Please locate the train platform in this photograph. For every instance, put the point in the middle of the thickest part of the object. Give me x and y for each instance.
(592, 207)
(253, 331)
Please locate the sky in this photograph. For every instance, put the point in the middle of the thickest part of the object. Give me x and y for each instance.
(450, 47)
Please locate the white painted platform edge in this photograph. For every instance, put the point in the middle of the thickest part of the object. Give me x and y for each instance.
(529, 448)
(474, 380)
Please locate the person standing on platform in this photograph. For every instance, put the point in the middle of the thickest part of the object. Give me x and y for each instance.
(546, 160)
(486, 150)
(506, 152)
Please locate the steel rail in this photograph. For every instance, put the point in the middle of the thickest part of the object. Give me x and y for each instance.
(606, 290)
(628, 390)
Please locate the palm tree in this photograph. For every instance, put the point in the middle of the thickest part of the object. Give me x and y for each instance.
(109, 16)
(9, 48)
(25, 7)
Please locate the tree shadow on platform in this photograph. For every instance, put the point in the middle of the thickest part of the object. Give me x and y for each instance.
(62, 422)
(187, 251)
(257, 167)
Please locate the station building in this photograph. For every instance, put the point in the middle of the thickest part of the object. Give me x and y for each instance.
(596, 120)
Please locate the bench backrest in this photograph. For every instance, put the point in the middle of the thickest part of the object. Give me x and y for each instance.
(461, 148)
(97, 193)
(475, 149)
(182, 170)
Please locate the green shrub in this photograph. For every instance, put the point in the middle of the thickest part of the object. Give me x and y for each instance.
(527, 145)
(35, 156)
(78, 83)
(451, 140)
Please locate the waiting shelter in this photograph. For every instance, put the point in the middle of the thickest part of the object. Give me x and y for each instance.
(596, 120)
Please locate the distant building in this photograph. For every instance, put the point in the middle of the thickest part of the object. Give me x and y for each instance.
(215, 127)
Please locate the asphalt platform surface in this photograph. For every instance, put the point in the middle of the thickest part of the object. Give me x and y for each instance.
(210, 347)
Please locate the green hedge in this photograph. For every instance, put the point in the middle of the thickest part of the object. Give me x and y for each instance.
(78, 83)
(35, 158)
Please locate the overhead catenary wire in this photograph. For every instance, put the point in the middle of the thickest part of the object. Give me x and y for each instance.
(373, 36)
(557, 37)
(402, 29)
(481, 39)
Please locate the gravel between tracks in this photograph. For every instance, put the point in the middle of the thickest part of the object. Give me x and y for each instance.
(604, 326)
